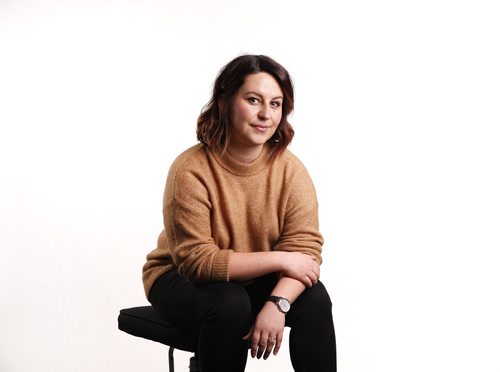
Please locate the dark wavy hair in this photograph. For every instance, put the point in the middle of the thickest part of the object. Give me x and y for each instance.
(215, 119)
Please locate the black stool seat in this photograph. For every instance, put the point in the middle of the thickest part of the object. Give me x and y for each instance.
(144, 322)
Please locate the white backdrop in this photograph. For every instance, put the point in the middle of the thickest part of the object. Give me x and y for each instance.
(397, 118)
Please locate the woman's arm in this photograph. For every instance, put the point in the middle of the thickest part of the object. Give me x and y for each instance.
(266, 334)
(289, 288)
(302, 267)
(300, 234)
(246, 266)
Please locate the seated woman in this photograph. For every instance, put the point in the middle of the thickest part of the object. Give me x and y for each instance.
(239, 257)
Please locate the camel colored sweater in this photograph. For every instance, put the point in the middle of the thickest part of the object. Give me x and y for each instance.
(214, 205)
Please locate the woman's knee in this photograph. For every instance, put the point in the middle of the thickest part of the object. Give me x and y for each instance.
(314, 300)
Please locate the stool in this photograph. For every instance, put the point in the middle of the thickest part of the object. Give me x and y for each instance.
(144, 322)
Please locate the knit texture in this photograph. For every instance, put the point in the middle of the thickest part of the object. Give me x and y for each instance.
(214, 205)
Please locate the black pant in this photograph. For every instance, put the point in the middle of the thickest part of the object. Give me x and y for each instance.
(219, 314)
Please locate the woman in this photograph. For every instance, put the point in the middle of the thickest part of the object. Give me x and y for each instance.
(239, 256)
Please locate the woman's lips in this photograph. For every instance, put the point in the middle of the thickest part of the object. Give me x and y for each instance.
(261, 128)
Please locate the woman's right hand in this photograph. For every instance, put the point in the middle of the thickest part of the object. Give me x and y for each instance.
(302, 267)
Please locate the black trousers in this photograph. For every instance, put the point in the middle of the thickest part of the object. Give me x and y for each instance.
(219, 314)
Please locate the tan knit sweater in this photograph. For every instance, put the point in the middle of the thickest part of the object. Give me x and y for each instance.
(214, 205)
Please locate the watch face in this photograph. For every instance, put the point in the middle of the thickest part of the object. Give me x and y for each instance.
(284, 305)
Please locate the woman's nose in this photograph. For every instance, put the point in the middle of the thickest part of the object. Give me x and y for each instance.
(264, 112)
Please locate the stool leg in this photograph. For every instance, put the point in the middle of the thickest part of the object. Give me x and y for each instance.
(171, 367)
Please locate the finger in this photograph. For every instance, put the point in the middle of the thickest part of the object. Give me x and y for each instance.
(254, 345)
(304, 278)
(262, 345)
(261, 349)
(317, 271)
(314, 278)
(279, 338)
(307, 282)
(254, 348)
(316, 266)
(271, 341)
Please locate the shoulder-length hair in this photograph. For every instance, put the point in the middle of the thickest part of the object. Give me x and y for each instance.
(215, 119)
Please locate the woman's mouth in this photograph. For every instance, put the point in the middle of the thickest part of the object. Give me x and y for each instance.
(261, 128)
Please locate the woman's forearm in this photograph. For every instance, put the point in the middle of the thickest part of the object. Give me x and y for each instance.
(246, 266)
(289, 288)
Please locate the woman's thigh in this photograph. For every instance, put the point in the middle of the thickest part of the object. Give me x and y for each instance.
(188, 305)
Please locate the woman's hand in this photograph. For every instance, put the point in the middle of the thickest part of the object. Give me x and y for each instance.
(266, 333)
(302, 267)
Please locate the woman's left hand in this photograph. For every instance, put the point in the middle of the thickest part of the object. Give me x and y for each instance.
(266, 333)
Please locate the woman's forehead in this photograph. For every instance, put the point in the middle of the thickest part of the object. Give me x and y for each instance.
(261, 83)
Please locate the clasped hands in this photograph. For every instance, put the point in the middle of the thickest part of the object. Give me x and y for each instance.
(266, 334)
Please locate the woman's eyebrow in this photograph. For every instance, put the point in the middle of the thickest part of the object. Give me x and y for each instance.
(261, 96)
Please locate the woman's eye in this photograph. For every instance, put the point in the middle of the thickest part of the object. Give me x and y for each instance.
(276, 104)
(253, 100)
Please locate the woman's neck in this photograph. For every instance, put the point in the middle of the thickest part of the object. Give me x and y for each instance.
(245, 154)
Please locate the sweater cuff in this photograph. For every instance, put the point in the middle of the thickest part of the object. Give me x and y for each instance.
(220, 268)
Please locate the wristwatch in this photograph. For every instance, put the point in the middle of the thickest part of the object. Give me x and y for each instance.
(281, 302)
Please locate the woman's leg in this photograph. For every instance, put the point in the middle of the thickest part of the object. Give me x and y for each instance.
(218, 313)
(312, 335)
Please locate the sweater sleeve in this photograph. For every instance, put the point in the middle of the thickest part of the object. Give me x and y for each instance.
(301, 226)
(186, 212)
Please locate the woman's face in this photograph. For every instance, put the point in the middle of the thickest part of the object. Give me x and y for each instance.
(255, 114)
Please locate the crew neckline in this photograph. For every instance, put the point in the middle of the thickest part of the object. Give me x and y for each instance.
(239, 168)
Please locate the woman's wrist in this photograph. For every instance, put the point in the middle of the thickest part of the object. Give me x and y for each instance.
(280, 261)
